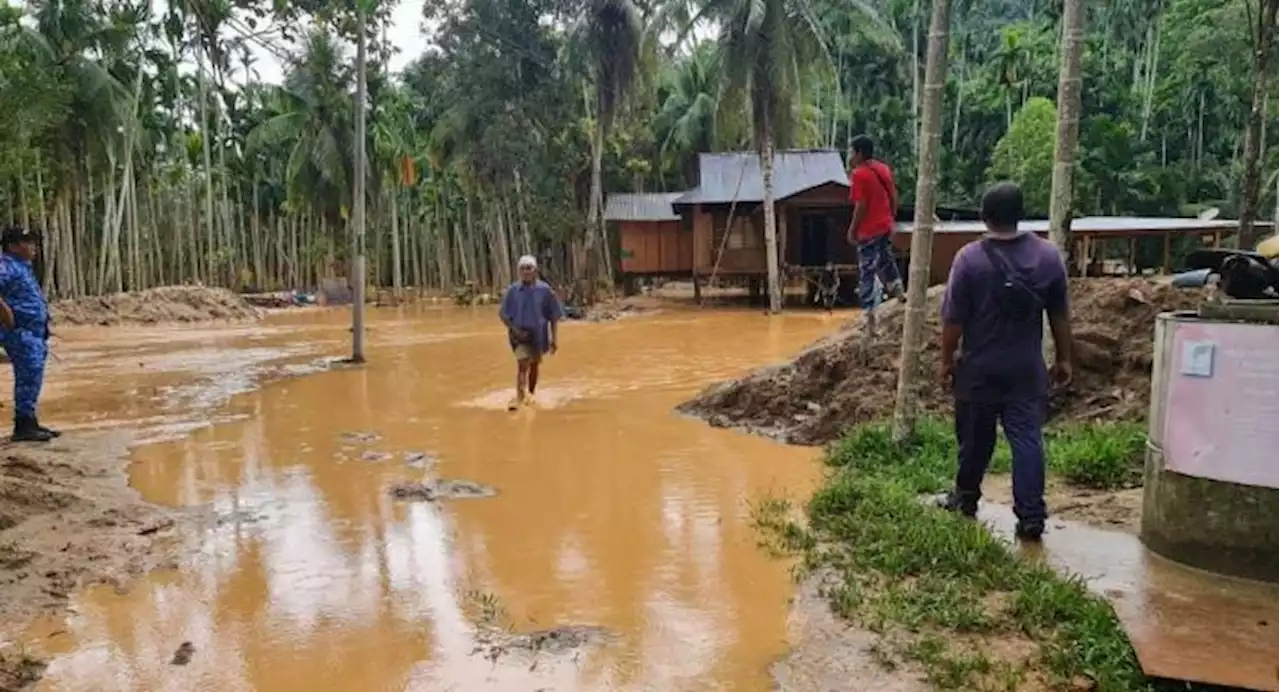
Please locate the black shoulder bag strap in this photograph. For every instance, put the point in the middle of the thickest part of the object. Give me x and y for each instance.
(1013, 283)
(888, 191)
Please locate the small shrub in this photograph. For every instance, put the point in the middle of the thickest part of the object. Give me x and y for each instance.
(1104, 456)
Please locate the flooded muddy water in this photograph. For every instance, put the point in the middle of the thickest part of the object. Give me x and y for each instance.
(613, 516)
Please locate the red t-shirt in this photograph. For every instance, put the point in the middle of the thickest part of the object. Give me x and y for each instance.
(872, 182)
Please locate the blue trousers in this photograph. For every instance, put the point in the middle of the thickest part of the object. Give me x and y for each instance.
(1023, 422)
(875, 259)
(27, 353)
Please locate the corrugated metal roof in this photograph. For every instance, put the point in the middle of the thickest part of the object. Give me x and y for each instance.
(1099, 225)
(641, 207)
(725, 177)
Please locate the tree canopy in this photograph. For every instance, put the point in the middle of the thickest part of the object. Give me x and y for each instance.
(145, 146)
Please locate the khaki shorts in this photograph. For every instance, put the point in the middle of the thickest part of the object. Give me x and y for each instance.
(527, 352)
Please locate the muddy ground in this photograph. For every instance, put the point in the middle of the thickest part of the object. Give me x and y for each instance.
(620, 308)
(848, 379)
(1113, 510)
(164, 304)
(830, 653)
(68, 519)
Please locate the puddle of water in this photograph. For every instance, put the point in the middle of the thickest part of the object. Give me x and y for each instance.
(611, 511)
(1184, 624)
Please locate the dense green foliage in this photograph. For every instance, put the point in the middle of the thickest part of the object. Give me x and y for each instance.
(1025, 153)
(143, 143)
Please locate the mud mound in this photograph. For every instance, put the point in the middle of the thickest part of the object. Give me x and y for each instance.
(845, 380)
(68, 518)
(154, 306)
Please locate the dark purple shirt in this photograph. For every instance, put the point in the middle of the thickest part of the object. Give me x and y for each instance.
(1001, 359)
(531, 307)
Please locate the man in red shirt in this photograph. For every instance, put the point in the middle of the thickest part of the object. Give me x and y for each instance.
(875, 202)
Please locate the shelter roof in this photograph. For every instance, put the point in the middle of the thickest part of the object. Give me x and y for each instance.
(655, 206)
(726, 177)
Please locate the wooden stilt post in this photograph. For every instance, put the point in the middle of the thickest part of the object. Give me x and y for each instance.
(1167, 266)
(1133, 256)
(697, 290)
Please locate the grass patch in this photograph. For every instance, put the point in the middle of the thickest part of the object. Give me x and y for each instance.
(1104, 456)
(947, 593)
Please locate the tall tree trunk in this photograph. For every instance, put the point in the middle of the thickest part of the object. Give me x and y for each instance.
(135, 258)
(915, 75)
(397, 272)
(210, 226)
(1200, 133)
(525, 236)
(1064, 154)
(911, 373)
(591, 261)
(1264, 37)
(51, 259)
(1153, 67)
(361, 170)
(1070, 86)
(770, 221)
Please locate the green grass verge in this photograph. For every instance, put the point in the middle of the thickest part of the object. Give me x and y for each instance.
(1101, 456)
(944, 591)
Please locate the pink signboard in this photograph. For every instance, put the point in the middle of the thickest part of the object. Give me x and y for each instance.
(1222, 420)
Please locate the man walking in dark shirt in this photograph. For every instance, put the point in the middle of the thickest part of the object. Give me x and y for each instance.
(998, 290)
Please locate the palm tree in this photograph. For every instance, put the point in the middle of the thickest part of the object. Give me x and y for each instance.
(1262, 35)
(686, 122)
(1064, 153)
(911, 373)
(391, 137)
(612, 33)
(765, 43)
(1010, 62)
(97, 108)
(313, 119)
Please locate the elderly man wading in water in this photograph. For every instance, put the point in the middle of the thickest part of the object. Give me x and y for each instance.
(531, 312)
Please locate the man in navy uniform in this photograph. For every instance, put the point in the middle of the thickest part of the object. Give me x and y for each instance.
(24, 330)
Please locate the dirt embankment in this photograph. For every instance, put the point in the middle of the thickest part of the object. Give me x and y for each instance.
(846, 379)
(154, 306)
(68, 518)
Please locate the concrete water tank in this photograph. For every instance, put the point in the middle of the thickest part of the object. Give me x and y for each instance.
(1213, 462)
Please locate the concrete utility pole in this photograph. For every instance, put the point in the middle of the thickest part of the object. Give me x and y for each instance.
(357, 235)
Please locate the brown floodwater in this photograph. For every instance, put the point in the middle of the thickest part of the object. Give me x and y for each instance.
(611, 511)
